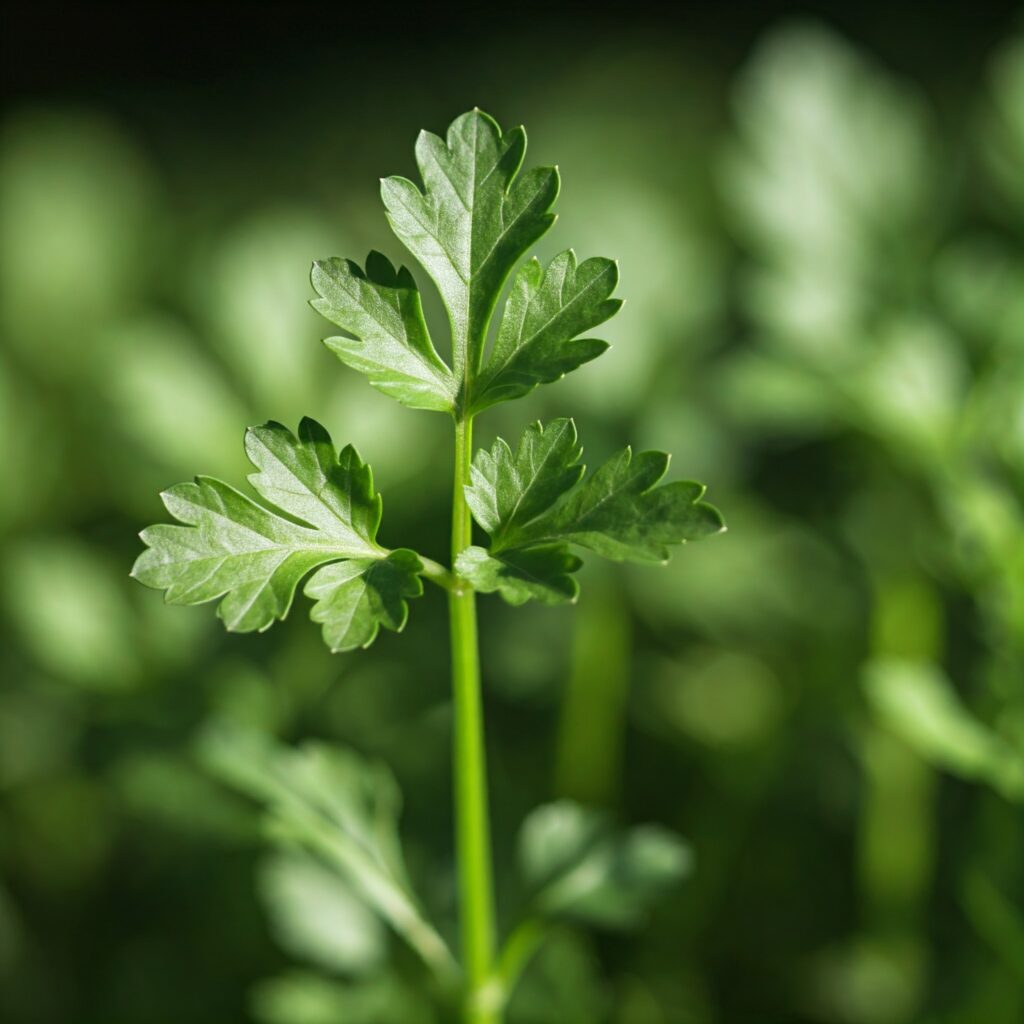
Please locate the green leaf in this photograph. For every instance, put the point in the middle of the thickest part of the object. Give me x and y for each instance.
(355, 598)
(534, 503)
(315, 916)
(541, 574)
(235, 549)
(620, 514)
(509, 490)
(917, 701)
(579, 867)
(340, 808)
(380, 308)
(476, 216)
(305, 478)
(545, 312)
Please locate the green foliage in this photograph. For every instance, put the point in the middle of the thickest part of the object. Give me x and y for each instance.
(231, 546)
(342, 810)
(60, 588)
(390, 343)
(317, 917)
(919, 704)
(577, 866)
(474, 220)
(534, 504)
(818, 121)
(468, 229)
(546, 310)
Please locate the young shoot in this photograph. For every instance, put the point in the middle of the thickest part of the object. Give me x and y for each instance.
(317, 513)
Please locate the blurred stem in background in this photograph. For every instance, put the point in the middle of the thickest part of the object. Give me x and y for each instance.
(472, 827)
(897, 832)
(589, 754)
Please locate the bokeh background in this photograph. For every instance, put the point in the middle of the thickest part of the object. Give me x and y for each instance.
(819, 216)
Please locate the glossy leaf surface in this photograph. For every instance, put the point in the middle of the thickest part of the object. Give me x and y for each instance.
(253, 558)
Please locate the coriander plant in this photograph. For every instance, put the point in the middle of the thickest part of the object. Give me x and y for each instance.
(469, 226)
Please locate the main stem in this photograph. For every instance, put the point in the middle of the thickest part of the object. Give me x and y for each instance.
(472, 828)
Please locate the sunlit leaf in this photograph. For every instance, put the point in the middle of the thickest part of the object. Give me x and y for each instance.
(388, 339)
(234, 548)
(476, 216)
(509, 490)
(534, 503)
(538, 337)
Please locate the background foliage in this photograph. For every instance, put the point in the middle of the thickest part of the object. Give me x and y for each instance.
(820, 228)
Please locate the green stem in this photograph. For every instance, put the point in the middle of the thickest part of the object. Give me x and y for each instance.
(472, 829)
(437, 573)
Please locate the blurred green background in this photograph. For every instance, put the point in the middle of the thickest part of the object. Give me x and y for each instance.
(820, 226)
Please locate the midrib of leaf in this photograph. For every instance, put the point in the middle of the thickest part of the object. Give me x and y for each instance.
(505, 228)
(322, 819)
(610, 493)
(476, 334)
(431, 231)
(466, 342)
(306, 539)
